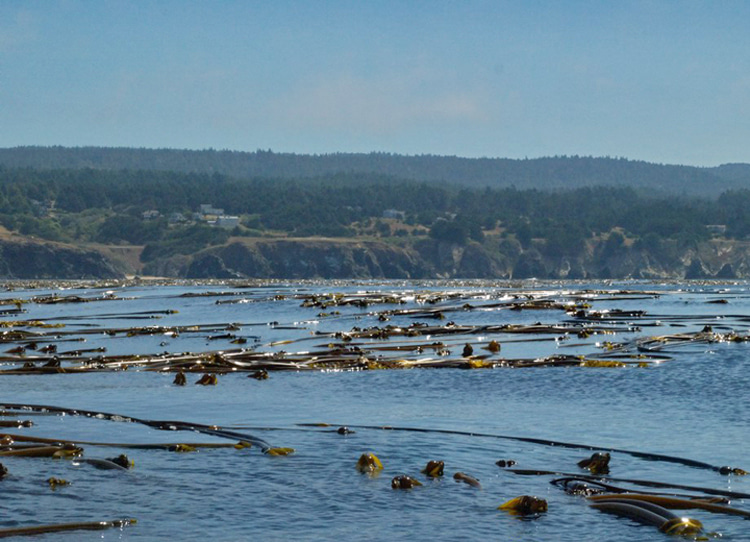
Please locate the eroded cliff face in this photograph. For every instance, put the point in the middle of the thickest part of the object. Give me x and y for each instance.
(297, 259)
(428, 258)
(28, 259)
(711, 259)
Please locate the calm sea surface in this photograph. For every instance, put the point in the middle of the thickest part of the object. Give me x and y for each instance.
(694, 405)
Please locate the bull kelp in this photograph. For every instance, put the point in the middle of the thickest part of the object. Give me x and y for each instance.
(322, 394)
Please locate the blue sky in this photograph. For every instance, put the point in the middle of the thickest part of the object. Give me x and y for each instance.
(663, 81)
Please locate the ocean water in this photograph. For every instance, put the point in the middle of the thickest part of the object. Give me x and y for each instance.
(693, 404)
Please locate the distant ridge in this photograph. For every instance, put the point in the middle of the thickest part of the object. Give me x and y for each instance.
(551, 173)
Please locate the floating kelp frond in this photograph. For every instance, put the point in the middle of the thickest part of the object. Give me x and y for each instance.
(524, 505)
(587, 486)
(732, 470)
(14, 301)
(656, 344)
(465, 478)
(324, 301)
(434, 469)
(18, 335)
(182, 448)
(54, 483)
(16, 423)
(66, 451)
(156, 424)
(575, 486)
(602, 363)
(645, 483)
(611, 314)
(369, 463)
(650, 514)
(404, 481)
(674, 503)
(29, 323)
(598, 463)
(55, 299)
(63, 527)
(279, 451)
(208, 380)
(13, 440)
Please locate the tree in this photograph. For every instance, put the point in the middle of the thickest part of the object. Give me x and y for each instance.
(449, 231)
(614, 243)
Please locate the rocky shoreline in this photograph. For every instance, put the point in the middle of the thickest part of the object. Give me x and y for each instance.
(329, 259)
(301, 258)
(26, 258)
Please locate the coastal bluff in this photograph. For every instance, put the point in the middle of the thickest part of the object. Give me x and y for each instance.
(26, 258)
(321, 258)
(429, 258)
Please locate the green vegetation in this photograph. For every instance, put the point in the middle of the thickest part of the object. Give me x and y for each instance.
(112, 207)
(184, 240)
(557, 172)
(180, 213)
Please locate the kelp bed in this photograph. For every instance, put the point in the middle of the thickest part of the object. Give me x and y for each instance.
(372, 330)
(432, 338)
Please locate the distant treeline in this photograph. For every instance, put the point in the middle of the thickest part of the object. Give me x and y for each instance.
(107, 206)
(558, 172)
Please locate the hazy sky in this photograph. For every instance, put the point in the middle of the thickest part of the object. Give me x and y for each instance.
(659, 81)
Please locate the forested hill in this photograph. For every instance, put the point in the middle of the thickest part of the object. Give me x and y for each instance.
(540, 173)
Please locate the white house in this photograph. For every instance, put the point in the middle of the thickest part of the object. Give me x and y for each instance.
(228, 222)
